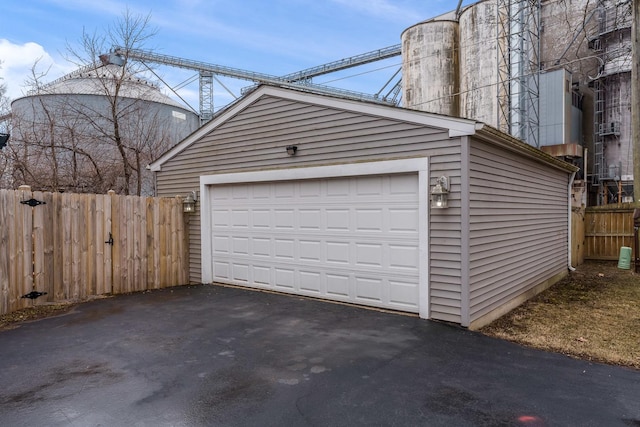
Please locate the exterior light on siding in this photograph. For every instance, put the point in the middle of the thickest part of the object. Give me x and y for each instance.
(189, 203)
(291, 149)
(440, 193)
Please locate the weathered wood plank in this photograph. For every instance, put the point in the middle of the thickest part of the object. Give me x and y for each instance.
(6, 205)
(606, 231)
(60, 247)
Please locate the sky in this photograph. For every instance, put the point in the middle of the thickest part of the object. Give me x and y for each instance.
(274, 37)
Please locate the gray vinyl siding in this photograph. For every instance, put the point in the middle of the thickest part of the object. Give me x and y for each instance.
(518, 225)
(255, 139)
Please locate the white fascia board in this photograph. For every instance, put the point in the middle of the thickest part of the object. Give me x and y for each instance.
(455, 126)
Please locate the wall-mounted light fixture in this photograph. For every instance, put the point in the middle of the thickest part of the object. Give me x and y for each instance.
(189, 202)
(292, 149)
(440, 193)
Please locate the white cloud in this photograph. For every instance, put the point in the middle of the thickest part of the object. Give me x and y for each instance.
(19, 59)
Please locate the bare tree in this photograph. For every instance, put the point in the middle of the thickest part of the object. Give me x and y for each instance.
(112, 81)
(98, 129)
(5, 130)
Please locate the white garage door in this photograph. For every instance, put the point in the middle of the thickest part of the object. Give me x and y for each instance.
(353, 239)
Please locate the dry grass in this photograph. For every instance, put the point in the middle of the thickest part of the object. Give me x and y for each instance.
(593, 314)
(36, 312)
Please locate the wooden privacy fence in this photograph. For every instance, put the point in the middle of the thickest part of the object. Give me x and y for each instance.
(606, 230)
(73, 246)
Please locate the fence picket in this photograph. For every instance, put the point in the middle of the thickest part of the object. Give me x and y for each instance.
(60, 247)
(5, 246)
(606, 231)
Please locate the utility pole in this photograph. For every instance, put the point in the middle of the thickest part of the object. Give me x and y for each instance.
(635, 100)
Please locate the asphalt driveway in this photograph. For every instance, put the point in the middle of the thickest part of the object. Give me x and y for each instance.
(211, 355)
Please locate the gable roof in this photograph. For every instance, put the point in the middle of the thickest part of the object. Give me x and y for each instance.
(455, 126)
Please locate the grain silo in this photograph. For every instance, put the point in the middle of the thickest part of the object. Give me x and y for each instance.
(67, 135)
(430, 53)
(479, 60)
(450, 64)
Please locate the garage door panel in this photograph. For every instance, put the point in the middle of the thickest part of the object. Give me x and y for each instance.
(338, 252)
(404, 257)
(369, 219)
(262, 275)
(221, 245)
(369, 186)
(285, 190)
(310, 250)
(261, 218)
(240, 218)
(284, 219)
(240, 245)
(310, 281)
(348, 239)
(310, 189)
(261, 191)
(403, 185)
(403, 220)
(337, 188)
(221, 218)
(368, 255)
(221, 270)
(285, 278)
(240, 192)
(310, 219)
(338, 285)
(403, 294)
(337, 219)
(261, 247)
(284, 249)
(240, 272)
(368, 289)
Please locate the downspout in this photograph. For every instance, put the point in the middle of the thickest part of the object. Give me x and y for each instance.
(573, 175)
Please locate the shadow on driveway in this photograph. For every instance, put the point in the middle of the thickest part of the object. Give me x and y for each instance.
(213, 355)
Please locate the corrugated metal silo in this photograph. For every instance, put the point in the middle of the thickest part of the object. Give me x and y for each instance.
(73, 117)
(88, 91)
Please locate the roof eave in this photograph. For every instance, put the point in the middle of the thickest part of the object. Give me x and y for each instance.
(495, 136)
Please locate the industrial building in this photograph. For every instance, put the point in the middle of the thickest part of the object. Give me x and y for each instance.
(556, 74)
(553, 73)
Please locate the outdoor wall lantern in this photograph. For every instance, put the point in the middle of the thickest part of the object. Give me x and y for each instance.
(189, 203)
(440, 193)
(291, 149)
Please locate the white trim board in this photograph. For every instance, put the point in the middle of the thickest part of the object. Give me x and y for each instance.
(418, 165)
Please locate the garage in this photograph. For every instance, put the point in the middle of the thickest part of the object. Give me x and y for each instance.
(353, 236)
(328, 197)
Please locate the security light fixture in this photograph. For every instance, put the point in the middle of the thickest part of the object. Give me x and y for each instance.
(189, 203)
(291, 149)
(440, 193)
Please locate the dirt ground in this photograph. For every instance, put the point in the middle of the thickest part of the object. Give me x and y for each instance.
(593, 314)
(37, 311)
